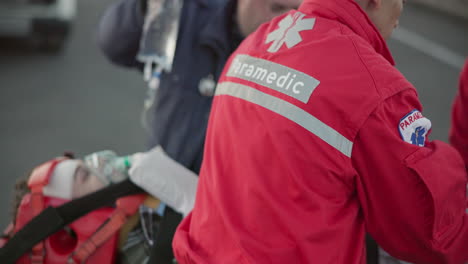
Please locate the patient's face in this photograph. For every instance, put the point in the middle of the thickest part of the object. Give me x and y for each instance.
(85, 181)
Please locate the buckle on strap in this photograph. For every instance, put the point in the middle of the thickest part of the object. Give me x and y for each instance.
(37, 254)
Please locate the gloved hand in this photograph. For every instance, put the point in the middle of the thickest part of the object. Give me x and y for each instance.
(164, 178)
(109, 167)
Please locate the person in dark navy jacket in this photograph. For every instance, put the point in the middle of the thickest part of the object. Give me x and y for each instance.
(209, 31)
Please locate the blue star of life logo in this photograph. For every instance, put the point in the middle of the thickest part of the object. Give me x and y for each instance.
(288, 31)
(418, 137)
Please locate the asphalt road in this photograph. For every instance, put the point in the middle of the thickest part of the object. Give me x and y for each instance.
(72, 101)
(77, 101)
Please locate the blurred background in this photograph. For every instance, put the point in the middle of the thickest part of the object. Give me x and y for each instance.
(58, 93)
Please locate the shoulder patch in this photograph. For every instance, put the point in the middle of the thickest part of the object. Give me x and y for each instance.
(414, 128)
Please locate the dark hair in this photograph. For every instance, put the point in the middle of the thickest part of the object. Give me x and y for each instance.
(21, 189)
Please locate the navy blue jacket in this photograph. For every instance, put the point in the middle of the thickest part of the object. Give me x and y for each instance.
(207, 36)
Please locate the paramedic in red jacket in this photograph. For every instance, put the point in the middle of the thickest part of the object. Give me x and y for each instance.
(315, 138)
(459, 129)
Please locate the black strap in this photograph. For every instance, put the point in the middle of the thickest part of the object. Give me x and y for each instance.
(53, 219)
(161, 252)
(372, 250)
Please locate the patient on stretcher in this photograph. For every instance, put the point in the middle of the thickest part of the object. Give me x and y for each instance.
(73, 178)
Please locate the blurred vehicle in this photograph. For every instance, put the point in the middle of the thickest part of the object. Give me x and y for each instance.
(45, 23)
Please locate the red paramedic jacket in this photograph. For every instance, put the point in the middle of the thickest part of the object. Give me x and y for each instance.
(459, 129)
(314, 139)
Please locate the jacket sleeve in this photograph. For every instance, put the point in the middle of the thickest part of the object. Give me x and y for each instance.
(459, 128)
(120, 30)
(413, 197)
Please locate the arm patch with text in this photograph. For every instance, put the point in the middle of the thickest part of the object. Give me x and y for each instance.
(414, 128)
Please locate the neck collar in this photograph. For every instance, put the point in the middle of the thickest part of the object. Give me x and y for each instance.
(349, 13)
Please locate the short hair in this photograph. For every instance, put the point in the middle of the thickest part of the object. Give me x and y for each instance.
(21, 189)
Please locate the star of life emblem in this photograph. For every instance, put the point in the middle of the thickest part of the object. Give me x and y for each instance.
(288, 31)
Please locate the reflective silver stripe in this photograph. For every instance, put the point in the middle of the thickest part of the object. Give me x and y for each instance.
(289, 111)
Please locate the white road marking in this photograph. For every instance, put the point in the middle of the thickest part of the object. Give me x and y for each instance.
(429, 47)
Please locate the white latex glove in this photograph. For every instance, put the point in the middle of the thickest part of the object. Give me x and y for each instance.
(159, 175)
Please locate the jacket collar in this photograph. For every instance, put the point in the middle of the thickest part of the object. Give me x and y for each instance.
(349, 13)
(221, 32)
